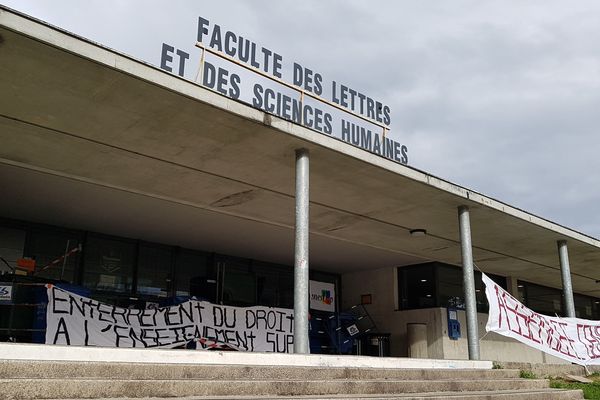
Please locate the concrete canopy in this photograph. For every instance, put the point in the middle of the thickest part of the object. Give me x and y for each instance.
(95, 140)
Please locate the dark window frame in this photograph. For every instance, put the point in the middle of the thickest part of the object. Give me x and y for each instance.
(527, 286)
(130, 296)
(437, 266)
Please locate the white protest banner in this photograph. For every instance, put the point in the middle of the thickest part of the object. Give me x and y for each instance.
(322, 295)
(79, 321)
(572, 339)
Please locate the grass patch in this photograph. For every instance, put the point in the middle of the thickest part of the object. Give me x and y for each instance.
(527, 374)
(497, 365)
(590, 390)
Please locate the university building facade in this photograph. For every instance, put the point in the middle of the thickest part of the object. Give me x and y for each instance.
(160, 190)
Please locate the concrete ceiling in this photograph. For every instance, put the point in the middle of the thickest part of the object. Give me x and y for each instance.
(57, 200)
(95, 140)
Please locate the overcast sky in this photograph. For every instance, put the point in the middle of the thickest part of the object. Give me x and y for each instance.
(501, 97)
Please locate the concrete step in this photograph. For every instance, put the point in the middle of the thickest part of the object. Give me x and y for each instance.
(35, 352)
(540, 394)
(551, 369)
(112, 388)
(204, 378)
(55, 369)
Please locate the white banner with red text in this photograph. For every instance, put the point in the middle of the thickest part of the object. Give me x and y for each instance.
(572, 339)
(79, 321)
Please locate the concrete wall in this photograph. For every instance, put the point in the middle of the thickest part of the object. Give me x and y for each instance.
(492, 346)
(381, 284)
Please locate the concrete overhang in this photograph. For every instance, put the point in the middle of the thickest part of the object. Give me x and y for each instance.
(96, 140)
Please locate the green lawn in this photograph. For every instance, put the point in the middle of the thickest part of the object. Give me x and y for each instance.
(590, 390)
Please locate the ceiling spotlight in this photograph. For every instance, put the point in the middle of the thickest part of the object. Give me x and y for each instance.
(423, 280)
(417, 232)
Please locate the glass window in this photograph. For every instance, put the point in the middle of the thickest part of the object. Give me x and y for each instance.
(250, 282)
(450, 287)
(108, 264)
(267, 278)
(439, 285)
(12, 242)
(239, 282)
(549, 301)
(584, 306)
(46, 247)
(154, 270)
(522, 292)
(195, 276)
(322, 276)
(451, 292)
(286, 288)
(595, 308)
(274, 284)
(482, 303)
(417, 286)
(542, 299)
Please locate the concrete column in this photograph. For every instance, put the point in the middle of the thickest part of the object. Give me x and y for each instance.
(416, 338)
(301, 294)
(565, 272)
(468, 282)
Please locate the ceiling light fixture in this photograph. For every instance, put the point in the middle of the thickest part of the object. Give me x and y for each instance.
(417, 232)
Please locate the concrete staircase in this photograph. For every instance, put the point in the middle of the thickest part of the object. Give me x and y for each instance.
(79, 380)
